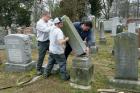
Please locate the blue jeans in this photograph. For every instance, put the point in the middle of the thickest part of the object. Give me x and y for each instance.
(59, 59)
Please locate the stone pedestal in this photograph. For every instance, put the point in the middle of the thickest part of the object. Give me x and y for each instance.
(122, 81)
(102, 41)
(81, 72)
(94, 49)
(19, 67)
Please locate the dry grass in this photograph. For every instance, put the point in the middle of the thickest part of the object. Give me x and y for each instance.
(104, 66)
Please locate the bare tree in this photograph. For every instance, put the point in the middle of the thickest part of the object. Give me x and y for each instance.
(106, 7)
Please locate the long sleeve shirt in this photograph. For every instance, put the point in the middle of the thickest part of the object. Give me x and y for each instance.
(85, 35)
(43, 29)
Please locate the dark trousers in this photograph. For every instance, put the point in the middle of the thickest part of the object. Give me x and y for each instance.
(42, 49)
(59, 59)
(68, 50)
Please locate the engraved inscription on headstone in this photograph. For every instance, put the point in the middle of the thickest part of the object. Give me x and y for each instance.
(126, 56)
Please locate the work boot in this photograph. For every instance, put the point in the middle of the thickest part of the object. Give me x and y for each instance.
(39, 72)
(65, 77)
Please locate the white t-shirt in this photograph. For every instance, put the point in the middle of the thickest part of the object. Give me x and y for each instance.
(55, 35)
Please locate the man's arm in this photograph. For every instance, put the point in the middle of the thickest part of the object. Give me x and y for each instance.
(43, 28)
(63, 41)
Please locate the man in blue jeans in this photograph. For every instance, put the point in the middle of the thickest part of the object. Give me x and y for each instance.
(84, 30)
(56, 50)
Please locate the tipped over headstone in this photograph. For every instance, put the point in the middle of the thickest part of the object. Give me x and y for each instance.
(75, 40)
(18, 50)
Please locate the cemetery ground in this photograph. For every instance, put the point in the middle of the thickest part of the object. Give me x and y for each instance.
(104, 67)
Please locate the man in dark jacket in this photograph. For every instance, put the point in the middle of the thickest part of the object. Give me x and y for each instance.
(84, 30)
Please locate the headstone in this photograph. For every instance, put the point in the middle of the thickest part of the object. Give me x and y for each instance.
(93, 48)
(13, 28)
(3, 33)
(126, 56)
(33, 41)
(75, 41)
(119, 29)
(107, 25)
(102, 35)
(132, 27)
(115, 22)
(81, 71)
(18, 50)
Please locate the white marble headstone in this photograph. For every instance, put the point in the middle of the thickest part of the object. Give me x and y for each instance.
(115, 22)
(132, 27)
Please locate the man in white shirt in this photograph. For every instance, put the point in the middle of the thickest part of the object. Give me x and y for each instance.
(56, 50)
(43, 28)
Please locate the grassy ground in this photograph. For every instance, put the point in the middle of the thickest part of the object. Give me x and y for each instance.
(104, 66)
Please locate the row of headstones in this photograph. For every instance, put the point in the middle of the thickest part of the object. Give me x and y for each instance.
(125, 49)
(18, 49)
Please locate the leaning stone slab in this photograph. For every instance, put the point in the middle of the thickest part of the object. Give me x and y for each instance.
(75, 41)
(126, 56)
(81, 71)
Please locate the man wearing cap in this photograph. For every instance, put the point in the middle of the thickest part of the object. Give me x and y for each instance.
(43, 28)
(56, 50)
(84, 30)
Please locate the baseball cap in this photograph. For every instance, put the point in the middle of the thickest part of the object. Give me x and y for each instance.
(57, 20)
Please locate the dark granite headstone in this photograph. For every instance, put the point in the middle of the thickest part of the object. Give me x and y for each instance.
(126, 56)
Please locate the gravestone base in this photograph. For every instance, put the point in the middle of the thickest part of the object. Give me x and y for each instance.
(102, 41)
(2, 46)
(124, 81)
(11, 67)
(81, 71)
(80, 86)
(94, 49)
(54, 70)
